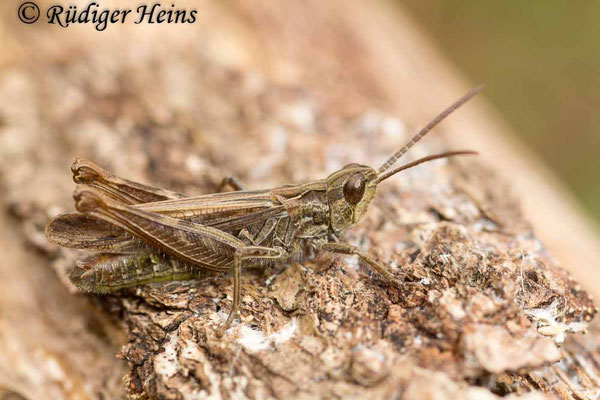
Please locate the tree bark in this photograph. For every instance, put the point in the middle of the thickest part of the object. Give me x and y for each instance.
(275, 93)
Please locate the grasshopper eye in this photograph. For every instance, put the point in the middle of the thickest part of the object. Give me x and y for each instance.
(354, 189)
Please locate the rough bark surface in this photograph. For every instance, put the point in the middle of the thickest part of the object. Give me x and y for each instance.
(272, 93)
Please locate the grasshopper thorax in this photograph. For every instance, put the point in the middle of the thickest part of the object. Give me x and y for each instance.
(349, 192)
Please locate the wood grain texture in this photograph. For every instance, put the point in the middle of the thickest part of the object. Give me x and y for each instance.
(275, 92)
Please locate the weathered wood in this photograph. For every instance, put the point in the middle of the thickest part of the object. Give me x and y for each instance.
(275, 92)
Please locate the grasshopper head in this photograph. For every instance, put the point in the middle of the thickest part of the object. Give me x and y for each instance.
(351, 189)
(349, 193)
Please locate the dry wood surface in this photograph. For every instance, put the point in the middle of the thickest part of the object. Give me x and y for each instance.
(273, 93)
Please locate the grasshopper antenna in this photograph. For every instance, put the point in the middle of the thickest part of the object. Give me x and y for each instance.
(386, 175)
(429, 126)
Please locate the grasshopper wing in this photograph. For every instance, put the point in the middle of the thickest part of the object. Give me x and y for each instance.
(78, 231)
(191, 242)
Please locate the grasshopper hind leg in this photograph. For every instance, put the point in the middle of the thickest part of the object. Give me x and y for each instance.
(197, 245)
(242, 255)
(87, 173)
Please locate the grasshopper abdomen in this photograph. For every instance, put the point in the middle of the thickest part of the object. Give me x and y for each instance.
(106, 272)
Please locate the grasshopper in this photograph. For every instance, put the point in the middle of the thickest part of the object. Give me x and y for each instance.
(142, 234)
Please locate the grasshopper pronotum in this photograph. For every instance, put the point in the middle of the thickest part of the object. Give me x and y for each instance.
(143, 235)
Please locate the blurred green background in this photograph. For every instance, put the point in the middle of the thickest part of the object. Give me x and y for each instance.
(541, 63)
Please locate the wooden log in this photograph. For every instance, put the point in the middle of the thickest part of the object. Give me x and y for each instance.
(273, 93)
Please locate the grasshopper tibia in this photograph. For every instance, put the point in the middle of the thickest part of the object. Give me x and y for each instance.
(246, 254)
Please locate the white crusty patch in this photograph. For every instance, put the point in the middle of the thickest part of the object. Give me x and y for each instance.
(254, 340)
(166, 363)
(352, 262)
(548, 323)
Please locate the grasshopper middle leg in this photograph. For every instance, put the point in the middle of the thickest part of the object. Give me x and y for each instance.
(230, 181)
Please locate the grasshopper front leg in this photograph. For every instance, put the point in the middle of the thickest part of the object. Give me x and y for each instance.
(345, 248)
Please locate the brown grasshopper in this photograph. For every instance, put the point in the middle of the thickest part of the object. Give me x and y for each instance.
(144, 235)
